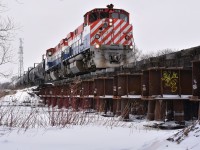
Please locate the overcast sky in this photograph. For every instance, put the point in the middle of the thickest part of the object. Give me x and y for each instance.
(158, 24)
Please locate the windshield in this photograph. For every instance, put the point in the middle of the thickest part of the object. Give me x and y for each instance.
(104, 15)
(93, 17)
(101, 14)
(120, 16)
(115, 15)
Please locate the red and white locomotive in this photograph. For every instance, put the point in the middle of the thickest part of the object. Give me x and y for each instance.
(104, 40)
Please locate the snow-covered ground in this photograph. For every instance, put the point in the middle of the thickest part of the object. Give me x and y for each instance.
(93, 132)
(186, 139)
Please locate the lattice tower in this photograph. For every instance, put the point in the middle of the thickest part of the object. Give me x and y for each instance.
(21, 63)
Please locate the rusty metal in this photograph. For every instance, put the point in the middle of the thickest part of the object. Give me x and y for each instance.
(45, 93)
(75, 95)
(109, 86)
(178, 111)
(199, 111)
(160, 110)
(99, 87)
(154, 82)
(104, 105)
(115, 87)
(99, 91)
(129, 84)
(103, 91)
(97, 104)
(125, 108)
(42, 95)
(134, 84)
(103, 86)
(164, 85)
(66, 95)
(138, 107)
(87, 87)
(191, 110)
(100, 105)
(151, 110)
(158, 82)
(129, 90)
(49, 93)
(196, 80)
(145, 84)
(122, 84)
(54, 96)
(60, 102)
(87, 94)
(116, 98)
(117, 107)
(108, 107)
(169, 110)
(60, 97)
(185, 82)
(166, 91)
(176, 82)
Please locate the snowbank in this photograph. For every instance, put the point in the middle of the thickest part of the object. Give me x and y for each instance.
(21, 97)
(185, 139)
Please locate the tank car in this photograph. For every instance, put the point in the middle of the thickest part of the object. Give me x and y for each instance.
(36, 74)
(103, 40)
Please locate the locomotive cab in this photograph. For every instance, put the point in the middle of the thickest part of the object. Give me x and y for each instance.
(108, 13)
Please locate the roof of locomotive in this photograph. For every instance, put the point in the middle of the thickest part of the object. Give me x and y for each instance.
(107, 10)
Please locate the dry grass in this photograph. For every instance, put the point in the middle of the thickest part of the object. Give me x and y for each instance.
(24, 118)
(4, 93)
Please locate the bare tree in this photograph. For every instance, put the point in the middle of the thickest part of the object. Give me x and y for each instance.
(6, 35)
(146, 56)
(136, 53)
(156, 54)
(164, 51)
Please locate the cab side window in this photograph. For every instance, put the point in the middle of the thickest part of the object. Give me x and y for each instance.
(85, 20)
(124, 17)
(93, 17)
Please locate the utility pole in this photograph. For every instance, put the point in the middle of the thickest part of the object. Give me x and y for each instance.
(21, 63)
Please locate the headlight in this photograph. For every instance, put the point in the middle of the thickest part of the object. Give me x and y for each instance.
(97, 46)
(110, 20)
(131, 46)
(110, 24)
(49, 53)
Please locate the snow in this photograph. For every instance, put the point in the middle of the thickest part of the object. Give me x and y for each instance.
(106, 96)
(185, 139)
(21, 97)
(131, 96)
(78, 137)
(172, 97)
(93, 132)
